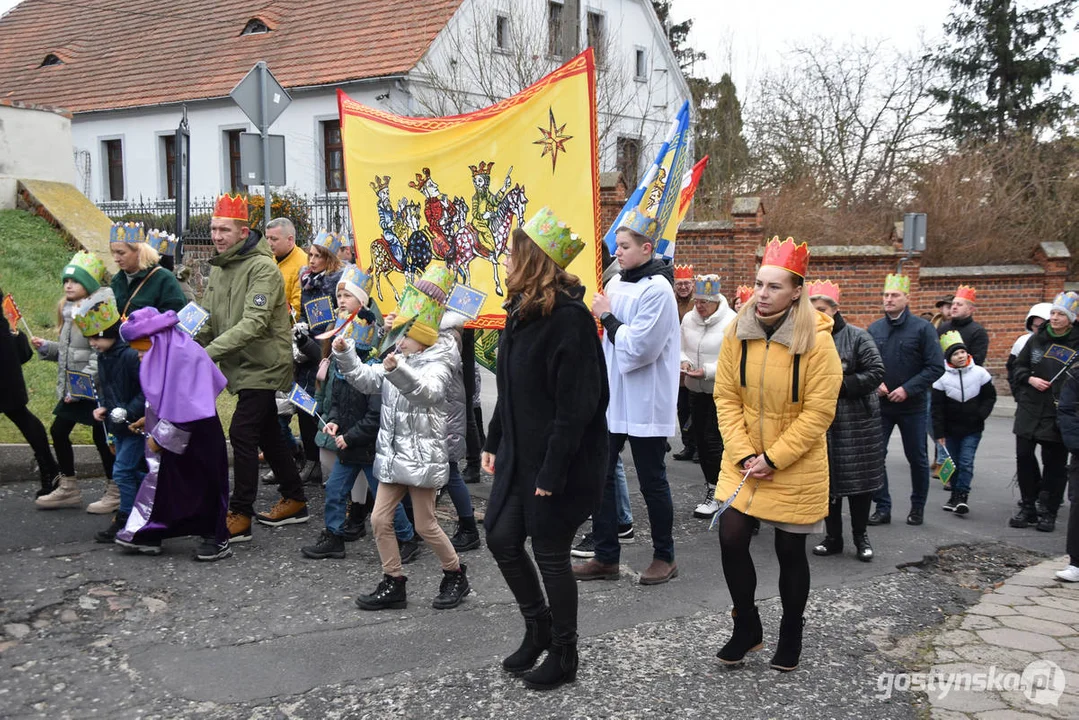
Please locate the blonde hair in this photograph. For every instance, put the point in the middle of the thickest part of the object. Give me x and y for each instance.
(802, 314)
(148, 256)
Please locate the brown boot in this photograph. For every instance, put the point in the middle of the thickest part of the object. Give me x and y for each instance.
(66, 495)
(595, 570)
(109, 502)
(659, 572)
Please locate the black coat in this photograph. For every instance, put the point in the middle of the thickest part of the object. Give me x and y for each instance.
(974, 337)
(1068, 410)
(549, 428)
(855, 445)
(118, 381)
(912, 358)
(357, 416)
(14, 353)
(1035, 411)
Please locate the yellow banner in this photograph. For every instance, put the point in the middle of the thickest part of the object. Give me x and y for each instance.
(452, 189)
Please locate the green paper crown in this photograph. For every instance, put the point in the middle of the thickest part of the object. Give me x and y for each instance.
(897, 283)
(425, 300)
(97, 313)
(950, 339)
(554, 237)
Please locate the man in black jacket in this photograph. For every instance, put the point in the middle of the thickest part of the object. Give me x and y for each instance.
(974, 335)
(913, 361)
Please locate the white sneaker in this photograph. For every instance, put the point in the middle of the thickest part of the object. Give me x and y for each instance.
(1069, 574)
(706, 509)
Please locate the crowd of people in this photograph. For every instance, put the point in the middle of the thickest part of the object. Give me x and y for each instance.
(786, 406)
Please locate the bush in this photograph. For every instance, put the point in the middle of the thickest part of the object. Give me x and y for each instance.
(286, 203)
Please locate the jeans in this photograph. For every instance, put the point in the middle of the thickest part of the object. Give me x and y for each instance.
(929, 427)
(254, 425)
(649, 458)
(286, 432)
(913, 429)
(962, 450)
(338, 489)
(625, 510)
(130, 450)
(462, 499)
(402, 527)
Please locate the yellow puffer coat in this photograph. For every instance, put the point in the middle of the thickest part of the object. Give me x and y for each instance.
(771, 401)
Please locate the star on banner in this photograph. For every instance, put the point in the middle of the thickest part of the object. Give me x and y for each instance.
(553, 140)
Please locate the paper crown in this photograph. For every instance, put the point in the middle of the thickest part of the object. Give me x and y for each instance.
(86, 269)
(346, 239)
(356, 282)
(131, 233)
(425, 300)
(97, 314)
(639, 222)
(163, 242)
(482, 169)
(792, 258)
(897, 283)
(823, 288)
(231, 207)
(966, 292)
(706, 287)
(554, 237)
(328, 240)
(683, 272)
(1068, 303)
(744, 293)
(949, 340)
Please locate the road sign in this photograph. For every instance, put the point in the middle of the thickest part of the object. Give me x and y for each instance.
(251, 159)
(914, 232)
(248, 95)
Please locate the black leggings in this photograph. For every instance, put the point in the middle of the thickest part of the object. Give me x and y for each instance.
(308, 430)
(735, 532)
(65, 453)
(34, 432)
(859, 514)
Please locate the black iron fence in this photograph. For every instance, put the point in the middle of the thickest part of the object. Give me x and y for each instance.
(310, 213)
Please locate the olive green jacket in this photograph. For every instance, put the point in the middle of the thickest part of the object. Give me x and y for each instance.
(248, 332)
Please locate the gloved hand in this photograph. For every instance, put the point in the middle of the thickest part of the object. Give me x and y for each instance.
(300, 329)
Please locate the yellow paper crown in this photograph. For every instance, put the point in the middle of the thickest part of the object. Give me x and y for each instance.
(897, 283)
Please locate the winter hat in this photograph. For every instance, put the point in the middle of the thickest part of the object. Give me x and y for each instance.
(85, 269)
(357, 283)
(1067, 303)
(950, 342)
(97, 316)
(1038, 310)
(425, 300)
(707, 288)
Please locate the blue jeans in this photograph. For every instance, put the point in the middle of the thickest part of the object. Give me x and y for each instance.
(338, 490)
(125, 469)
(913, 429)
(625, 512)
(649, 459)
(402, 528)
(286, 432)
(962, 449)
(462, 499)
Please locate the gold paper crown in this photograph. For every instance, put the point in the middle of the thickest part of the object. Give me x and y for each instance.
(950, 339)
(131, 233)
(97, 313)
(897, 283)
(706, 287)
(553, 237)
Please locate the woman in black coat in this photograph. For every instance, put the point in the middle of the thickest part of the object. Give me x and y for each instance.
(545, 443)
(14, 352)
(855, 444)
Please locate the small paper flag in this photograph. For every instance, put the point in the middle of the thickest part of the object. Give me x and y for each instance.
(319, 311)
(389, 342)
(1060, 353)
(338, 327)
(192, 317)
(466, 300)
(947, 469)
(11, 312)
(80, 385)
(302, 400)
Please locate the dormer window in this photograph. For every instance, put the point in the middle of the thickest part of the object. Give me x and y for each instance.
(255, 26)
(51, 59)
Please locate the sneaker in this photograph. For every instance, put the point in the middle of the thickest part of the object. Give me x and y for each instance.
(452, 590)
(327, 546)
(284, 512)
(144, 547)
(961, 507)
(109, 534)
(210, 549)
(409, 549)
(625, 534)
(268, 478)
(239, 526)
(709, 506)
(1068, 574)
(584, 549)
(949, 506)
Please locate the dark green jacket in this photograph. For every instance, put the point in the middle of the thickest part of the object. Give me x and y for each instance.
(248, 333)
(162, 291)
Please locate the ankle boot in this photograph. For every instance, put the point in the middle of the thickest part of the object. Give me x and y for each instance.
(1025, 516)
(49, 482)
(108, 535)
(467, 536)
(66, 495)
(558, 668)
(789, 647)
(1047, 520)
(748, 636)
(389, 595)
(311, 473)
(537, 639)
(109, 502)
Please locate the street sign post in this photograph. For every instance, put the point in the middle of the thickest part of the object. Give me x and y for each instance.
(914, 227)
(251, 159)
(262, 99)
(181, 179)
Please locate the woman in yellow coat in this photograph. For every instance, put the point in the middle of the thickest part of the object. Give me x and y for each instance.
(777, 381)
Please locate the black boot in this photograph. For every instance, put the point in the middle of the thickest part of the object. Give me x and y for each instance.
(389, 595)
(789, 647)
(558, 668)
(829, 546)
(471, 472)
(1047, 521)
(355, 526)
(467, 536)
(328, 545)
(537, 639)
(961, 506)
(108, 535)
(748, 636)
(453, 589)
(863, 550)
(311, 473)
(1025, 516)
(48, 484)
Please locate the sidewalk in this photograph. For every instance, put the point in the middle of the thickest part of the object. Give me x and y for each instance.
(1024, 636)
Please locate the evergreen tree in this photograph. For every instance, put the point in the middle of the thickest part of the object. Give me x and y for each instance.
(1001, 61)
(719, 134)
(677, 36)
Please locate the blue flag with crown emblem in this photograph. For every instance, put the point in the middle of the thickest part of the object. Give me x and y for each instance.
(192, 317)
(1060, 353)
(80, 385)
(319, 311)
(466, 301)
(302, 400)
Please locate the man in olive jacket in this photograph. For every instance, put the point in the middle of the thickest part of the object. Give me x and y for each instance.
(248, 336)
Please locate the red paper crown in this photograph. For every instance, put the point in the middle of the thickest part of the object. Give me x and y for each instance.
(683, 272)
(823, 288)
(966, 292)
(792, 258)
(231, 207)
(483, 169)
(744, 293)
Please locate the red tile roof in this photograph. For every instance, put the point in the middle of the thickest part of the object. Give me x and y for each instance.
(131, 53)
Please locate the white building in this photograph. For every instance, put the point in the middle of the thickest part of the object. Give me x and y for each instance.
(127, 77)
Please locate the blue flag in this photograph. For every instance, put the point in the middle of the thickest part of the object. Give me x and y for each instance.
(1060, 353)
(192, 317)
(302, 400)
(466, 300)
(80, 385)
(319, 311)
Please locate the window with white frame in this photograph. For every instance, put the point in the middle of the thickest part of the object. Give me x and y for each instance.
(597, 35)
(555, 46)
(640, 64)
(113, 151)
(502, 32)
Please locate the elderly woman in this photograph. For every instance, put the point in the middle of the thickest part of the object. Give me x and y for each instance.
(855, 447)
(777, 381)
(142, 281)
(703, 328)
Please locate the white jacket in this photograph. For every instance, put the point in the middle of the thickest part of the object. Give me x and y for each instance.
(643, 361)
(701, 340)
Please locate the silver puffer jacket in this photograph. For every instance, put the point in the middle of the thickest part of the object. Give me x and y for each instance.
(72, 352)
(411, 447)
